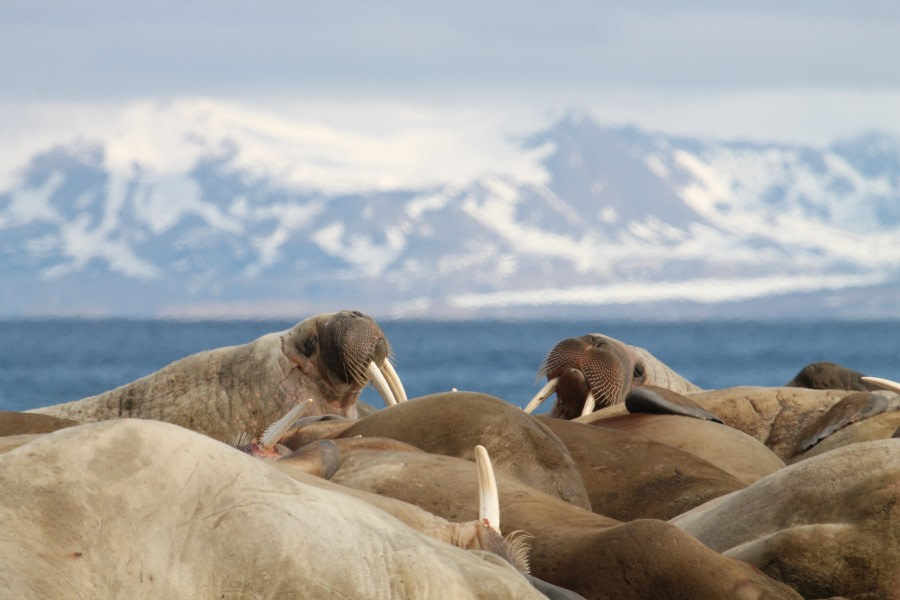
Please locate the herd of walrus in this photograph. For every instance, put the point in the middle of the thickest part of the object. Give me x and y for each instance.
(253, 471)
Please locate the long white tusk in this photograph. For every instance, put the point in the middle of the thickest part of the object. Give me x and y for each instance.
(543, 394)
(589, 403)
(274, 431)
(885, 384)
(380, 384)
(489, 500)
(394, 381)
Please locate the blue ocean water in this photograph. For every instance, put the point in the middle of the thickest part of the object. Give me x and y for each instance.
(45, 362)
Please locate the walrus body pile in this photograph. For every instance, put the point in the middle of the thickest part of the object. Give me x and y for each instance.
(639, 484)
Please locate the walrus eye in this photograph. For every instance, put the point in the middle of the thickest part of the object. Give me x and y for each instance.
(638, 372)
(310, 345)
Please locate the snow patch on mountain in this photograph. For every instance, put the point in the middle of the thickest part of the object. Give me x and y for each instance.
(80, 244)
(817, 204)
(29, 204)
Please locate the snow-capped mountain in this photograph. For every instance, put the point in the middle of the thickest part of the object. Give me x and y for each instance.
(590, 219)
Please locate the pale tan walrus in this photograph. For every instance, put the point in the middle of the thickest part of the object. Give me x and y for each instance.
(137, 509)
(328, 358)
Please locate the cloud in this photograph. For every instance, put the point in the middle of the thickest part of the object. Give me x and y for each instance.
(107, 48)
(698, 290)
(308, 145)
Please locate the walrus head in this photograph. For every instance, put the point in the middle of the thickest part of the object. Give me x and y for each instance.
(343, 352)
(587, 372)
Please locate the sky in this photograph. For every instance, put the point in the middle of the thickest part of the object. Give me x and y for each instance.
(802, 70)
(355, 94)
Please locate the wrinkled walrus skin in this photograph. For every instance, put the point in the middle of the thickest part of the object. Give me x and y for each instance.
(571, 547)
(236, 389)
(593, 375)
(630, 477)
(139, 509)
(827, 526)
(452, 423)
(776, 416)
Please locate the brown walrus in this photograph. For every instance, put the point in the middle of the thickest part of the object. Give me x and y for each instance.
(453, 423)
(828, 525)
(630, 476)
(594, 376)
(596, 370)
(576, 549)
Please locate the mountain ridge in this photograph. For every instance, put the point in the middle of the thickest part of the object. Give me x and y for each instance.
(611, 221)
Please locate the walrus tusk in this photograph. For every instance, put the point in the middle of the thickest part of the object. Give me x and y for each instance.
(589, 403)
(277, 429)
(542, 395)
(489, 501)
(885, 384)
(380, 384)
(390, 374)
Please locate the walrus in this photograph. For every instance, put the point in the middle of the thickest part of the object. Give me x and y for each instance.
(731, 450)
(18, 428)
(776, 416)
(667, 417)
(137, 508)
(453, 423)
(20, 423)
(594, 376)
(881, 426)
(319, 460)
(828, 526)
(825, 375)
(571, 547)
(596, 370)
(328, 358)
(630, 476)
(858, 417)
(853, 408)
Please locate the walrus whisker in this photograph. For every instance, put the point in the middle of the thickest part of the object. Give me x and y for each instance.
(544, 393)
(519, 548)
(885, 384)
(489, 497)
(589, 403)
(356, 368)
(380, 384)
(393, 380)
(276, 430)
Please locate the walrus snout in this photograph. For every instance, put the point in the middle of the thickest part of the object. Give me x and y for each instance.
(588, 371)
(350, 341)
